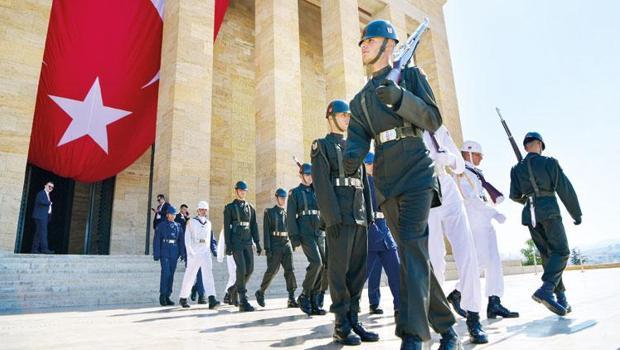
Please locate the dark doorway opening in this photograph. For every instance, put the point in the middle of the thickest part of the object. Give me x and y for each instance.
(81, 214)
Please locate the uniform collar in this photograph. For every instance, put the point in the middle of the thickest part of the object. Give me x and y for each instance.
(335, 137)
(239, 201)
(304, 186)
(379, 75)
(532, 155)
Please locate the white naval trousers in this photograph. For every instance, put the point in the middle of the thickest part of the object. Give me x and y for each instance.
(201, 260)
(451, 220)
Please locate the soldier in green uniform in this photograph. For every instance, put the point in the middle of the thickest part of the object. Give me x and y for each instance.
(303, 223)
(278, 250)
(346, 209)
(240, 229)
(405, 184)
(540, 178)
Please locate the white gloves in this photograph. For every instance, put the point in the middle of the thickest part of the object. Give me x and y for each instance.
(500, 218)
(446, 159)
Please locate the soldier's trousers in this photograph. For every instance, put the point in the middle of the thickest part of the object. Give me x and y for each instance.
(244, 259)
(282, 256)
(421, 298)
(346, 270)
(377, 261)
(316, 274)
(166, 279)
(550, 239)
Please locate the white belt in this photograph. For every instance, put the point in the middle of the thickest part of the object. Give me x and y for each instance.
(243, 224)
(348, 181)
(379, 215)
(388, 135)
(279, 234)
(171, 241)
(309, 212)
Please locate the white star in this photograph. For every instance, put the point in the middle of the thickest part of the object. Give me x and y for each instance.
(90, 117)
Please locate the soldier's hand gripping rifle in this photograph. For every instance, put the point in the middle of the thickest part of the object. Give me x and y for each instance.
(515, 148)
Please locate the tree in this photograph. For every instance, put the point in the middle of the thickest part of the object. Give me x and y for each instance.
(528, 253)
(576, 257)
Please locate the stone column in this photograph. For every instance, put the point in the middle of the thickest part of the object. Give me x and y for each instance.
(23, 29)
(279, 126)
(183, 141)
(342, 59)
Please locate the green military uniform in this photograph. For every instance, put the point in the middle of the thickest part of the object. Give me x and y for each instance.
(406, 187)
(278, 249)
(240, 229)
(546, 179)
(346, 209)
(304, 226)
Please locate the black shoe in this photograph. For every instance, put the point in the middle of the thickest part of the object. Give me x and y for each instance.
(162, 300)
(342, 332)
(244, 305)
(544, 295)
(317, 309)
(202, 300)
(495, 308)
(476, 333)
(169, 302)
(450, 340)
(410, 342)
(227, 299)
(376, 310)
(213, 303)
(260, 298)
(304, 304)
(193, 294)
(454, 299)
(291, 300)
(183, 303)
(319, 299)
(561, 298)
(359, 329)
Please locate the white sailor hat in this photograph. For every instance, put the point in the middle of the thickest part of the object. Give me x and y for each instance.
(472, 147)
(203, 205)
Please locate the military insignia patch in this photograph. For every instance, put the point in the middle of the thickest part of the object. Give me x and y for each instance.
(315, 145)
(390, 30)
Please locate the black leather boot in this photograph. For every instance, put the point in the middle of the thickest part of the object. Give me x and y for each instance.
(244, 305)
(561, 298)
(305, 304)
(169, 302)
(213, 303)
(359, 329)
(260, 298)
(319, 299)
(476, 333)
(227, 298)
(450, 340)
(495, 308)
(544, 295)
(202, 300)
(183, 303)
(342, 331)
(194, 293)
(162, 300)
(410, 342)
(317, 309)
(375, 310)
(454, 299)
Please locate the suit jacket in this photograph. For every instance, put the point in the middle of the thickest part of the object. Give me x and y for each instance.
(41, 206)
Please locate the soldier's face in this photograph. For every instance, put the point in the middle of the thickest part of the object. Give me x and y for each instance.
(371, 47)
(307, 179)
(281, 201)
(343, 120)
(202, 212)
(170, 217)
(477, 158)
(241, 194)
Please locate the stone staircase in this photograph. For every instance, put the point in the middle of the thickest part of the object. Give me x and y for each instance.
(36, 283)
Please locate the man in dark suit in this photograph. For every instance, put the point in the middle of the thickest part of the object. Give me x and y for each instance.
(41, 214)
(159, 213)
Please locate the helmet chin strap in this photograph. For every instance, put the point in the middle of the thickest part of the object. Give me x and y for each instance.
(333, 116)
(381, 50)
(303, 179)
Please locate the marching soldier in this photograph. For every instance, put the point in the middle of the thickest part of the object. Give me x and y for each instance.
(346, 209)
(406, 188)
(167, 249)
(278, 250)
(480, 212)
(198, 289)
(540, 178)
(240, 229)
(450, 219)
(200, 246)
(382, 251)
(304, 226)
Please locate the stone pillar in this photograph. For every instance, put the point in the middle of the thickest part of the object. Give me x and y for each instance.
(183, 141)
(279, 126)
(342, 59)
(23, 29)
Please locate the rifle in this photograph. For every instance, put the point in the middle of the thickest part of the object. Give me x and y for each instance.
(406, 51)
(298, 164)
(515, 148)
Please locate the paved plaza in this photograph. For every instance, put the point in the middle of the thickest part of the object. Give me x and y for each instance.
(592, 325)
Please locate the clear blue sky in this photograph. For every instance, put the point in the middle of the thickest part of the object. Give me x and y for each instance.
(552, 66)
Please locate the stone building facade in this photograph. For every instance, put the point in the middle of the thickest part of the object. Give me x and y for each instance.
(237, 108)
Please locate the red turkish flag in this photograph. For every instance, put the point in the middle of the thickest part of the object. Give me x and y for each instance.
(220, 10)
(97, 99)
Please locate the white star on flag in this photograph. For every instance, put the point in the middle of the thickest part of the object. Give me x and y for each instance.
(90, 117)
